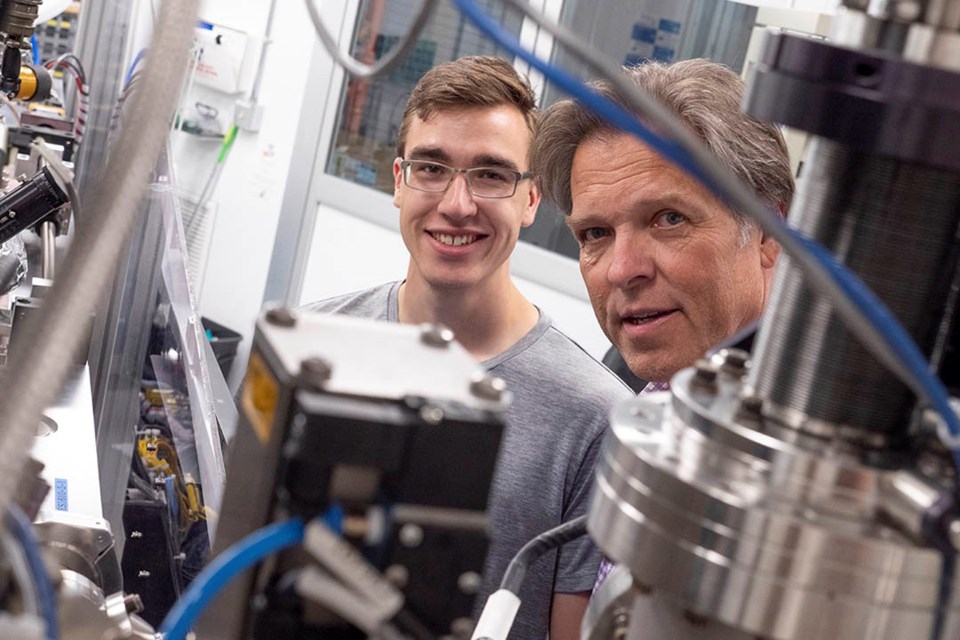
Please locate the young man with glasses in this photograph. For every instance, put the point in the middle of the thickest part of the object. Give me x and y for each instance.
(462, 186)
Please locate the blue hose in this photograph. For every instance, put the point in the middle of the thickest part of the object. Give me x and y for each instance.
(22, 530)
(226, 566)
(873, 309)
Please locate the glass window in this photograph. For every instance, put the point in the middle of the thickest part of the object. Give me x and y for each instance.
(628, 31)
(370, 111)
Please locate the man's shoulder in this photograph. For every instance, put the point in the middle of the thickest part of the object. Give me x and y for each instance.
(367, 303)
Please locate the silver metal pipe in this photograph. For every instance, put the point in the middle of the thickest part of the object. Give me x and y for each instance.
(48, 248)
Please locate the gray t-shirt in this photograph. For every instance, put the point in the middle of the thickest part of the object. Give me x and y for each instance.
(562, 398)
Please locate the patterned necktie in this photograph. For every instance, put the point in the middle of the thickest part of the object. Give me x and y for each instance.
(605, 565)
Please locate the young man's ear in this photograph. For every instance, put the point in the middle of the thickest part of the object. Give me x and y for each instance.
(532, 204)
(397, 179)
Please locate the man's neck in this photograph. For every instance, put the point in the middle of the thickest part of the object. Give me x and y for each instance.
(487, 318)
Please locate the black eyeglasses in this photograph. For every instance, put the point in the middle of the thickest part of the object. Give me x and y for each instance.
(483, 182)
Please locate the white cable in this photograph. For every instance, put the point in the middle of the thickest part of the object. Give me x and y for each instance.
(498, 615)
(358, 69)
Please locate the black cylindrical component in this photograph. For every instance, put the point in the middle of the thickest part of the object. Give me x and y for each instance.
(887, 220)
(18, 18)
(30, 203)
(10, 71)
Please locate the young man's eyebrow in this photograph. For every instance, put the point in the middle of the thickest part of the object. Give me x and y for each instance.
(494, 161)
(428, 153)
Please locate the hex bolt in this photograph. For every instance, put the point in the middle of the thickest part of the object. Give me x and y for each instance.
(315, 372)
(732, 361)
(133, 603)
(752, 405)
(435, 335)
(705, 374)
(488, 387)
(281, 316)
(411, 536)
(469, 582)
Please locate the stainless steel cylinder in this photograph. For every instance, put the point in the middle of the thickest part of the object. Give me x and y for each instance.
(893, 223)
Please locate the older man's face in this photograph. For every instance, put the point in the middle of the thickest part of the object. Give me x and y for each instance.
(670, 273)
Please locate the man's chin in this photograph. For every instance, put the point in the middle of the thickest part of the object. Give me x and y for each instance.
(651, 369)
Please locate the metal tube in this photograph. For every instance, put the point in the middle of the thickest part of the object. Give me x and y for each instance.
(48, 237)
(892, 222)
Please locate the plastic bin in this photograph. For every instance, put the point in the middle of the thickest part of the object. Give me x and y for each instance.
(224, 343)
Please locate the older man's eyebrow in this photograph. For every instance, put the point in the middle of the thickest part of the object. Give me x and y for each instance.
(428, 153)
(587, 220)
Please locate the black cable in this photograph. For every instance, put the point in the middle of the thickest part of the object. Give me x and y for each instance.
(537, 548)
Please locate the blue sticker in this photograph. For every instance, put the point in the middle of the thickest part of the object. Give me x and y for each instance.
(643, 33)
(662, 54)
(634, 59)
(60, 494)
(670, 26)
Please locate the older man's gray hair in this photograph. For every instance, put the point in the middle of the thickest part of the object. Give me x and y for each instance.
(706, 96)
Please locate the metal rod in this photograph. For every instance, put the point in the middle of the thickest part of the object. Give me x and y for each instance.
(48, 238)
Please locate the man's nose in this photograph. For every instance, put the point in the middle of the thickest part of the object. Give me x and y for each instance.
(631, 260)
(457, 202)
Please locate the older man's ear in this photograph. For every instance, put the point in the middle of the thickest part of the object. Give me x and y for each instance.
(769, 252)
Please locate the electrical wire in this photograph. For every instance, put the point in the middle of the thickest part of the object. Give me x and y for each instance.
(22, 530)
(536, 548)
(133, 65)
(859, 308)
(501, 607)
(32, 382)
(358, 69)
(226, 566)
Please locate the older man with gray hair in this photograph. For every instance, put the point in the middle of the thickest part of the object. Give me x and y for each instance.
(671, 270)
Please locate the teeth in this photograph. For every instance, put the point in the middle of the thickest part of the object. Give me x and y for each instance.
(454, 241)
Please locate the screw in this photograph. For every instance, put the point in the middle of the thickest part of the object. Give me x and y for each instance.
(621, 623)
(488, 387)
(281, 316)
(315, 372)
(435, 335)
(133, 603)
(469, 582)
(398, 575)
(411, 536)
(462, 627)
(954, 531)
(431, 414)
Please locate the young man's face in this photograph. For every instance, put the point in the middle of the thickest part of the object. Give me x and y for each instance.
(669, 271)
(457, 239)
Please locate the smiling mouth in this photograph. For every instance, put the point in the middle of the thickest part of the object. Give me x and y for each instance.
(647, 317)
(454, 241)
